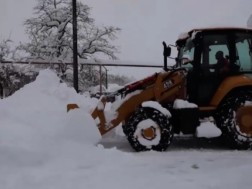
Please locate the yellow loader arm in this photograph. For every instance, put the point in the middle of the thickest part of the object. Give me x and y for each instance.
(161, 87)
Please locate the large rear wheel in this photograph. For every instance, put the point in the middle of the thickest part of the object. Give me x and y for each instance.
(234, 118)
(148, 129)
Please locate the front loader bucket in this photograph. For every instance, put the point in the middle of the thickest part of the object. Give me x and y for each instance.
(71, 107)
(97, 114)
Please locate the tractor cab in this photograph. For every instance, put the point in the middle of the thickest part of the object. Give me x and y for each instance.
(197, 51)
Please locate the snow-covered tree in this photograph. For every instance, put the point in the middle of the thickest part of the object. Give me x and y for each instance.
(50, 33)
(14, 76)
(5, 49)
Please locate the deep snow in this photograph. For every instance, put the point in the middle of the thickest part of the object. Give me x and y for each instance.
(44, 147)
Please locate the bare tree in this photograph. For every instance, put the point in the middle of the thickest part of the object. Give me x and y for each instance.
(50, 33)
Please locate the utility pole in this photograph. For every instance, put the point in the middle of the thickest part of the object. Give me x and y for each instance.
(75, 48)
(100, 73)
(106, 70)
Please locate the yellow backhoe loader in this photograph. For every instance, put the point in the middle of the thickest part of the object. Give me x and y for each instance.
(173, 101)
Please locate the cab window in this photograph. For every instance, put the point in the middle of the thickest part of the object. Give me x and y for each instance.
(243, 52)
(214, 49)
(187, 51)
(213, 44)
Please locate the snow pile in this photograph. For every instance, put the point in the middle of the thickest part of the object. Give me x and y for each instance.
(208, 130)
(36, 118)
(97, 89)
(113, 87)
(180, 104)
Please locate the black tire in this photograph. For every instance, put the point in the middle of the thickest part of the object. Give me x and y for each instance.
(161, 127)
(226, 119)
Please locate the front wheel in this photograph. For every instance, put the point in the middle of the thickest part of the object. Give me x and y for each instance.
(234, 118)
(148, 129)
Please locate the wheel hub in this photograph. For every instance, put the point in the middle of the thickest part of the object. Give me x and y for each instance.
(149, 133)
(244, 119)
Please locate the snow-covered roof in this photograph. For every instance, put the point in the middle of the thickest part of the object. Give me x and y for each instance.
(185, 35)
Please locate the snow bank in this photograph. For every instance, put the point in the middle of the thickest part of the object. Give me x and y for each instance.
(35, 117)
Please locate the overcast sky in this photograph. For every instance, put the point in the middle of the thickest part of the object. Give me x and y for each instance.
(144, 23)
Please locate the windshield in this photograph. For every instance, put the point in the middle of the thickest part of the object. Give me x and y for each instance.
(186, 51)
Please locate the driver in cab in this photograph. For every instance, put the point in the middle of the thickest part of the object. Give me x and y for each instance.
(222, 65)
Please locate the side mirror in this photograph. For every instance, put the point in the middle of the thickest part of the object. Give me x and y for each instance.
(166, 53)
(167, 50)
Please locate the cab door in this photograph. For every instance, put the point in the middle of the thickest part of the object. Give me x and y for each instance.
(203, 81)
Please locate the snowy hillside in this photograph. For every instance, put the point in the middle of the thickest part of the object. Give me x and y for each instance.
(44, 147)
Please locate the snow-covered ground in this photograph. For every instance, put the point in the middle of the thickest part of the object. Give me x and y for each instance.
(44, 147)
